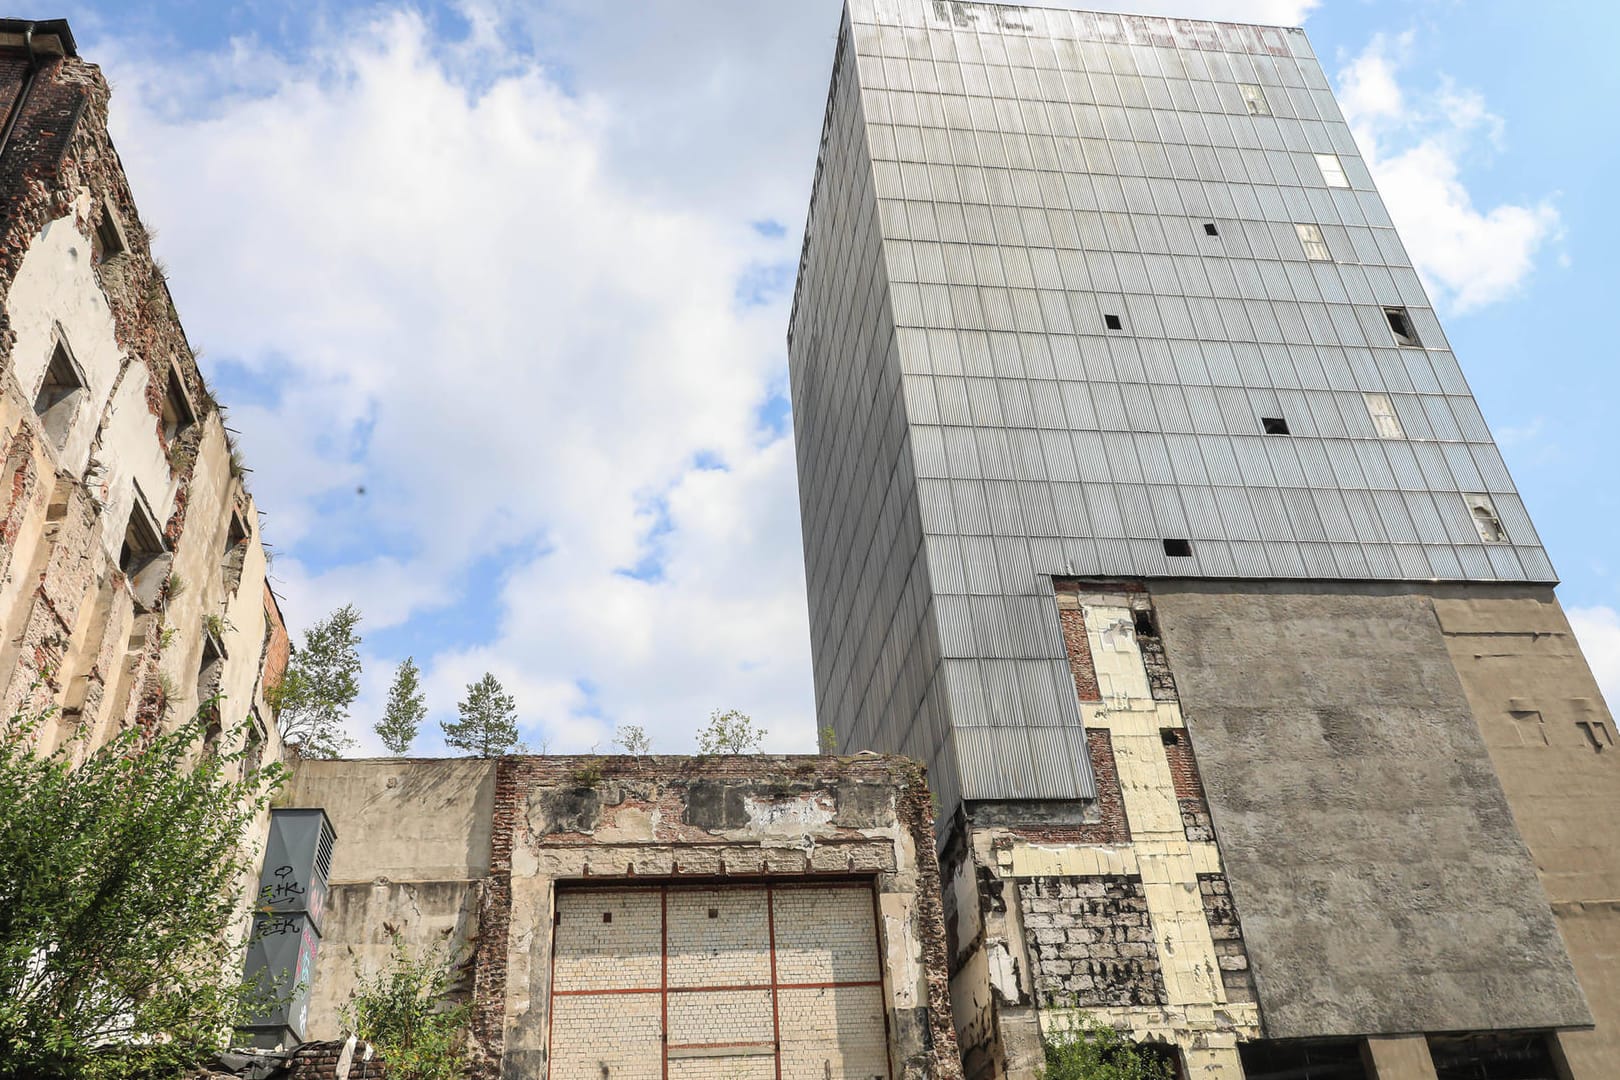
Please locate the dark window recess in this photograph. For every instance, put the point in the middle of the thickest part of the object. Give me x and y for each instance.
(1210, 229)
(1112, 322)
(607, 916)
(210, 670)
(235, 553)
(1294, 1059)
(1400, 324)
(1274, 425)
(178, 415)
(1178, 549)
(57, 402)
(109, 241)
(714, 913)
(1492, 1056)
(1144, 623)
(144, 557)
(1170, 736)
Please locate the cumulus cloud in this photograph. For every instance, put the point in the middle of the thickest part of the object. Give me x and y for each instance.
(475, 357)
(1598, 630)
(1415, 145)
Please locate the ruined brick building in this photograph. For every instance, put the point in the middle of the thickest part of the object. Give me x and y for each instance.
(132, 576)
(1144, 500)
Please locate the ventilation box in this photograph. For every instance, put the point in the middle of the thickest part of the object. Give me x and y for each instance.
(287, 925)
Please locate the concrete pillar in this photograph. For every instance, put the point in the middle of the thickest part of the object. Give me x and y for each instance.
(1398, 1057)
(1213, 1063)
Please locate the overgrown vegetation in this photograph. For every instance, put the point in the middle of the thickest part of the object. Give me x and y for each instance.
(120, 880)
(405, 1011)
(488, 720)
(633, 740)
(730, 732)
(321, 682)
(406, 708)
(1092, 1050)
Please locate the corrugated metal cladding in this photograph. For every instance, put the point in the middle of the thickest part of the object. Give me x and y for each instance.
(1067, 278)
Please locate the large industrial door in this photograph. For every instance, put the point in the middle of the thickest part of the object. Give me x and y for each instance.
(728, 982)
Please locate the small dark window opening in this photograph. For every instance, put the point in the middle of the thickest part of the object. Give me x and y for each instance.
(1144, 624)
(60, 394)
(210, 670)
(178, 415)
(1274, 425)
(714, 913)
(143, 558)
(607, 916)
(235, 554)
(1112, 322)
(1400, 324)
(109, 238)
(1178, 549)
(1171, 736)
(1210, 229)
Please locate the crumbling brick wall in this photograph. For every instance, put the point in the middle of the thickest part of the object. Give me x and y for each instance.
(1227, 931)
(1090, 941)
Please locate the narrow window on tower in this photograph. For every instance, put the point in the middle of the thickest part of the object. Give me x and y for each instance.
(1486, 521)
(60, 394)
(1382, 411)
(1332, 170)
(1254, 99)
(108, 242)
(1310, 238)
(1274, 425)
(142, 558)
(1400, 324)
(178, 415)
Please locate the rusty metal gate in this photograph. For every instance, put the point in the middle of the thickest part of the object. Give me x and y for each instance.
(717, 982)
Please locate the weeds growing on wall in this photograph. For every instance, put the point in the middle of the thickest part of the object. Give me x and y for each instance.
(120, 880)
(1091, 1050)
(405, 1011)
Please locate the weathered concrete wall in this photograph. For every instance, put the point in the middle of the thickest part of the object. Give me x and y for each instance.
(412, 854)
(1373, 858)
(1553, 741)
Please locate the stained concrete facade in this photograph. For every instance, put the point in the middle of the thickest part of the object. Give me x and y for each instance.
(620, 916)
(1144, 498)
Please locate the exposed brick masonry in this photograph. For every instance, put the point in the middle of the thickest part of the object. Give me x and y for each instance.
(1079, 650)
(1091, 941)
(1189, 789)
(1228, 934)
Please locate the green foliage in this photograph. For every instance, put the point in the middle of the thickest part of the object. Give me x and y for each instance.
(589, 774)
(488, 724)
(120, 880)
(402, 719)
(828, 740)
(1092, 1050)
(322, 681)
(633, 740)
(403, 1011)
(730, 732)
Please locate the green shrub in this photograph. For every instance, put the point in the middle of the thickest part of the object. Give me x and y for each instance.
(405, 1012)
(1092, 1050)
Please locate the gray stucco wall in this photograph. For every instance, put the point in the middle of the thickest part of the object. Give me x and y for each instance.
(1374, 860)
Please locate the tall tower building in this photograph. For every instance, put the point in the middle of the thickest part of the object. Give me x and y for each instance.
(1145, 501)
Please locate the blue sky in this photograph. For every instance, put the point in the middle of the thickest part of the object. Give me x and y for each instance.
(497, 293)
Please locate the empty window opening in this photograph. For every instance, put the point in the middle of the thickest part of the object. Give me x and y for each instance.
(143, 555)
(60, 394)
(1171, 736)
(178, 415)
(607, 916)
(1491, 1055)
(1400, 324)
(1310, 238)
(1254, 99)
(1113, 322)
(1274, 425)
(1210, 229)
(1332, 170)
(1382, 411)
(108, 242)
(1485, 518)
(1144, 623)
(1597, 734)
(1178, 549)
(714, 913)
(235, 553)
(211, 669)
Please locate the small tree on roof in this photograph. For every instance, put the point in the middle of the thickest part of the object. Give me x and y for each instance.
(488, 724)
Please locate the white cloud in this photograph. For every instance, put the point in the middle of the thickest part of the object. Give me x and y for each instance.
(463, 310)
(1415, 145)
(1598, 630)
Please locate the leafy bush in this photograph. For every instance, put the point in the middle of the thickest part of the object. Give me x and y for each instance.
(404, 1011)
(120, 880)
(1091, 1050)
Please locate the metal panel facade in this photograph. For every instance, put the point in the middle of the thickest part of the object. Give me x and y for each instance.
(1061, 268)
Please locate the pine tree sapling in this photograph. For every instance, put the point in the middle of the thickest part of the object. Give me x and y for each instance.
(730, 732)
(406, 709)
(321, 682)
(120, 884)
(488, 724)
